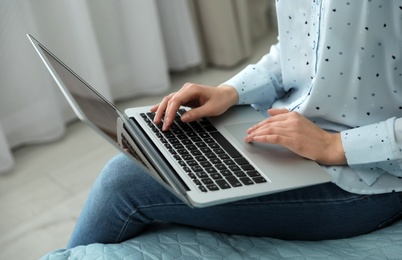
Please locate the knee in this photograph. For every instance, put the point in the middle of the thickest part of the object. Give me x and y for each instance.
(120, 174)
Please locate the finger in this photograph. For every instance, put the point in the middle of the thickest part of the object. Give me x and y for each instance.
(273, 139)
(277, 111)
(196, 113)
(266, 122)
(160, 108)
(257, 126)
(279, 129)
(173, 105)
(190, 95)
(278, 115)
(154, 108)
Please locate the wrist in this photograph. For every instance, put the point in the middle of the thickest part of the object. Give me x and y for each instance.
(230, 93)
(335, 154)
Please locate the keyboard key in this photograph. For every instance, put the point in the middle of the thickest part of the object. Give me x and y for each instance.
(196, 152)
(202, 188)
(192, 163)
(204, 121)
(193, 134)
(210, 170)
(239, 174)
(214, 145)
(182, 151)
(223, 184)
(210, 155)
(247, 167)
(182, 163)
(178, 146)
(259, 179)
(173, 141)
(200, 158)
(226, 145)
(200, 144)
(201, 175)
(234, 168)
(215, 176)
(234, 181)
(246, 181)
(205, 150)
(199, 130)
(209, 140)
(168, 134)
(191, 147)
(197, 168)
(205, 164)
(185, 141)
(226, 173)
(187, 157)
(195, 125)
(195, 139)
(229, 162)
(182, 136)
(210, 128)
(220, 167)
(204, 135)
(224, 156)
(207, 181)
(212, 187)
(253, 173)
(241, 161)
(219, 151)
(181, 111)
(215, 160)
(192, 176)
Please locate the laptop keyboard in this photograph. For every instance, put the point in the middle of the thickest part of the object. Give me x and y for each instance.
(205, 155)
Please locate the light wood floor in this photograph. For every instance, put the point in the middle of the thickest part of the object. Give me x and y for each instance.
(42, 196)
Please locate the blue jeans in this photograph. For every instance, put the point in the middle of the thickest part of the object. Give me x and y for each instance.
(124, 200)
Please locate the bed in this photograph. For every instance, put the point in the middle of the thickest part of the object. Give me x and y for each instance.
(171, 241)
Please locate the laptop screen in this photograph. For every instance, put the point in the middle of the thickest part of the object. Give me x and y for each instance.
(94, 107)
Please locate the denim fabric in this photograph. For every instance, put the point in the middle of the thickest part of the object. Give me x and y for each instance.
(124, 200)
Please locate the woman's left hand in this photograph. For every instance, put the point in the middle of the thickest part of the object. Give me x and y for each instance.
(300, 135)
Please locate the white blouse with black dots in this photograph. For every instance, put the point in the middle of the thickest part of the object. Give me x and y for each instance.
(339, 63)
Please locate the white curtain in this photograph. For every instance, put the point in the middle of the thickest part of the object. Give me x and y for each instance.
(123, 48)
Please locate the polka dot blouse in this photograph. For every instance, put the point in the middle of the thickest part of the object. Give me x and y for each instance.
(339, 63)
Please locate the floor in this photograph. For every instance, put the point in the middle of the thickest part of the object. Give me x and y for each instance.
(42, 196)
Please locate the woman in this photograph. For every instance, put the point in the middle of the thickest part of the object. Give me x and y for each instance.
(333, 89)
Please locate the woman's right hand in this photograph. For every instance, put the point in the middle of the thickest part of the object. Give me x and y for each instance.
(204, 101)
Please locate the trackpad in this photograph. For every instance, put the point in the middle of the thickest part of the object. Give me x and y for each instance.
(238, 131)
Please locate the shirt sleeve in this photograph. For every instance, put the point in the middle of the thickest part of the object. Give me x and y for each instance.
(374, 149)
(260, 83)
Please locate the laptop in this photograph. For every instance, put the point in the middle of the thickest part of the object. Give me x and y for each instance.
(204, 163)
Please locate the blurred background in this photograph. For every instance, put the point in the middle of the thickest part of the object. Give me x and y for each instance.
(132, 51)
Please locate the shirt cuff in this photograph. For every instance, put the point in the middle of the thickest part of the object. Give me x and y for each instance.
(254, 86)
(369, 150)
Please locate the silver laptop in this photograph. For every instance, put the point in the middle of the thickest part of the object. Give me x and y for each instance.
(203, 163)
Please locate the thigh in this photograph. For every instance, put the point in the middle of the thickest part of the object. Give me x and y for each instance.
(318, 212)
(125, 199)
(299, 214)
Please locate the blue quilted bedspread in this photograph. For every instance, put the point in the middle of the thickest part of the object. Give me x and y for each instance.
(168, 241)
